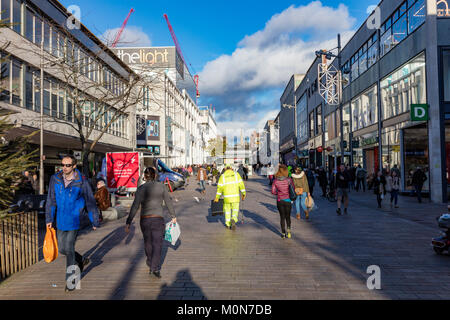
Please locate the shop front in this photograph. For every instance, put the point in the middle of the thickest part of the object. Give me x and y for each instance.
(366, 151)
(287, 152)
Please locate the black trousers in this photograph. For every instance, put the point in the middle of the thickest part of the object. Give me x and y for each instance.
(284, 208)
(359, 182)
(153, 230)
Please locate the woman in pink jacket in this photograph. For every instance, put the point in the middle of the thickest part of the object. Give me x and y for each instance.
(280, 187)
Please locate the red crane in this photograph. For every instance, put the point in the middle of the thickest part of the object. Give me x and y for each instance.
(177, 45)
(116, 40)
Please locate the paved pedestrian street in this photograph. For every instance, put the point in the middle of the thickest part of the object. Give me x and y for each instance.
(327, 257)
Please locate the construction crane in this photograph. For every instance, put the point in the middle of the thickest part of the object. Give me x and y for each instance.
(177, 45)
(116, 40)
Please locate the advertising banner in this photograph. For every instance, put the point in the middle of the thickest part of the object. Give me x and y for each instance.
(153, 128)
(122, 169)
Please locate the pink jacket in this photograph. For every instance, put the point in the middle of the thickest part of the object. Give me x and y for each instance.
(280, 187)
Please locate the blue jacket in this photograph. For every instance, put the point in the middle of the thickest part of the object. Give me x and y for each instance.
(69, 203)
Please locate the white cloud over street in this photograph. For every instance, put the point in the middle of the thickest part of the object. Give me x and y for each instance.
(268, 58)
(132, 36)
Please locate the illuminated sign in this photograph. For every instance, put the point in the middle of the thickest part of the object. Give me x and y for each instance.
(443, 8)
(154, 57)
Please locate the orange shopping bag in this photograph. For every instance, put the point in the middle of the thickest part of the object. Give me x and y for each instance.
(50, 248)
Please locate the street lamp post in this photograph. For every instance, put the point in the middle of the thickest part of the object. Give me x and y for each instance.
(41, 154)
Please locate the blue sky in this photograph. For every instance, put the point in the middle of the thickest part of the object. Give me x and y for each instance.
(228, 41)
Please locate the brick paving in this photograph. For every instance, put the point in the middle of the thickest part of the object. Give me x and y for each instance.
(326, 258)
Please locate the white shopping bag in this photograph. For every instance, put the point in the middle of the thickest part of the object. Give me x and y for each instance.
(172, 232)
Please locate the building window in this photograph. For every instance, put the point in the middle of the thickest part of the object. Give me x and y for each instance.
(372, 55)
(386, 42)
(16, 83)
(17, 16)
(355, 67)
(55, 44)
(4, 78)
(319, 119)
(28, 88)
(54, 99)
(365, 109)
(37, 90)
(311, 125)
(47, 35)
(416, 15)
(446, 74)
(46, 96)
(399, 30)
(5, 10)
(29, 25)
(37, 31)
(403, 87)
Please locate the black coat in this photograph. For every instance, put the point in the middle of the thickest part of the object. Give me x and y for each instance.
(377, 183)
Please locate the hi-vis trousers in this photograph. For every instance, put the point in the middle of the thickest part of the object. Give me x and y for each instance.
(228, 208)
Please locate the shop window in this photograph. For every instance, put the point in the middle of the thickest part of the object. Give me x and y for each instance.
(446, 74)
(403, 87)
(415, 142)
(416, 15)
(364, 109)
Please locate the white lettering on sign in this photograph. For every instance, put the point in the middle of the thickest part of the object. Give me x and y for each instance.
(144, 56)
(419, 112)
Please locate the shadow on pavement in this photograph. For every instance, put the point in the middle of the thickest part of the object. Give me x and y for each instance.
(101, 249)
(262, 222)
(183, 282)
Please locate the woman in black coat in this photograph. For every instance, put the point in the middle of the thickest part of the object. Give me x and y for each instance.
(379, 187)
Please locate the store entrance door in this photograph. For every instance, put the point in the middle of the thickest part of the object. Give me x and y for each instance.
(371, 158)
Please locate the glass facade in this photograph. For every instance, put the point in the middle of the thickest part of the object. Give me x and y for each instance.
(302, 120)
(364, 109)
(446, 74)
(403, 87)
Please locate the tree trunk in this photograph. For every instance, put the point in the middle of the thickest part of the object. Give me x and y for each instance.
(85, 160)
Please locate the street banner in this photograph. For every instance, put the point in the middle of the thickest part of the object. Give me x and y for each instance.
(123, 170)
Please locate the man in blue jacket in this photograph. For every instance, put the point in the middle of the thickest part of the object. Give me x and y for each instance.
(69, 193)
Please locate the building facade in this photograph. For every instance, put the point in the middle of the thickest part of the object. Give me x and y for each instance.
(169, 102)
(395, 98)
(287, 120)
(70, 76)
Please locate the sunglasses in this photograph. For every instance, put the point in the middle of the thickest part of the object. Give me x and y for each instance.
(67, 165)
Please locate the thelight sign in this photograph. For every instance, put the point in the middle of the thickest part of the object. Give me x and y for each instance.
(419, 112)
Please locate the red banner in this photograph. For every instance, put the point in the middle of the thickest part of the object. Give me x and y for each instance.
(122, 169)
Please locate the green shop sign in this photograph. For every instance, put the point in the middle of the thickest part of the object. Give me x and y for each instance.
(419, 112)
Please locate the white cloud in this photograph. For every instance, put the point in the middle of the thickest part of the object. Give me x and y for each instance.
(264, 62)
(132, 36)
(270, 56)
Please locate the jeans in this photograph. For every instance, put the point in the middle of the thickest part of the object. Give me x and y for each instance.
(153, 230)
(394, 196)
(418, 192)
(202, 185)
(284, 208)
(66, 246)
(360, 181)
(298, 207)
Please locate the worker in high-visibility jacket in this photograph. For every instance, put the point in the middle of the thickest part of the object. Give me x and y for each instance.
(230, 186)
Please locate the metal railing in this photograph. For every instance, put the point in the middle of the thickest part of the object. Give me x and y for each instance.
(18, 242)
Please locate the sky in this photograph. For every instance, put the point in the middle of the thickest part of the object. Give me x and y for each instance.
(243, 51)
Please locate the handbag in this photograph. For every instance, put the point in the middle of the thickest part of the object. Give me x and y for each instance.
(292, 194)
(299, 191)
(50, 248)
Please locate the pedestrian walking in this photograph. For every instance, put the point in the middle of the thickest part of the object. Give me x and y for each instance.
(393, 181)
(280, 188)
(241, 171)
(352, 173)
(418, 180)
(323, 182)
(69, 193)
(301, 188)
(150, 197)
(245, 173)
(379, 187)
(102, 198)
(35, 183)
(201, 177)
(361, 178)
(342, 181)
(230, 186)
(311, 180)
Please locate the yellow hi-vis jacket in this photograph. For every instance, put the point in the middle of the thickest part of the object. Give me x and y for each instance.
(229, 185)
